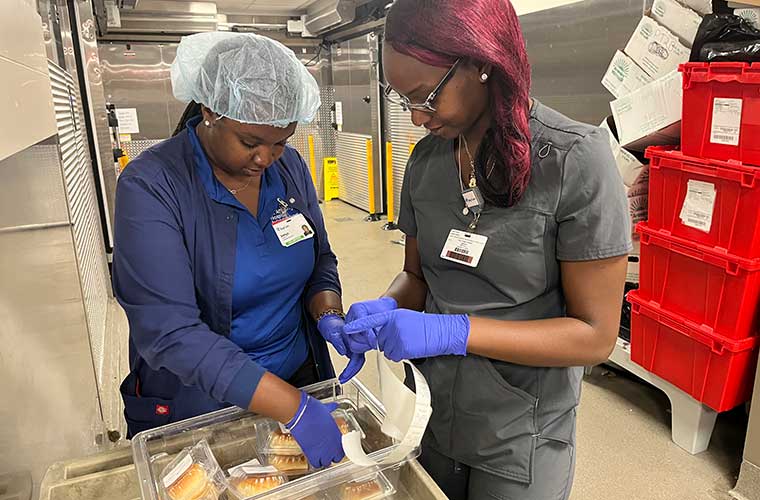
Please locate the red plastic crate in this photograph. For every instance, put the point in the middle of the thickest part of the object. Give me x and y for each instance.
(719, 292)
(735, 225)
(710, 87)
(714, 370)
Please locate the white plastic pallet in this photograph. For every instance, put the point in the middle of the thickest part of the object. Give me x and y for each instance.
(692, 423)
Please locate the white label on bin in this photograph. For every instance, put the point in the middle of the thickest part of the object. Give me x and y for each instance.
(407, 416)
(727, 121)
(698, 207)
(178, 470)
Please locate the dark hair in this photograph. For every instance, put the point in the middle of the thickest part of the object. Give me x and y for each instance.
(438, 32)
(191, 111)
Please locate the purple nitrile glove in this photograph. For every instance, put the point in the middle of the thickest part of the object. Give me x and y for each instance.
(361, 342)
(331, 328)
(316, 432)
(405, 334)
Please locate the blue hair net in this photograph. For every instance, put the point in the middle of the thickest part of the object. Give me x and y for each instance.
(245, 77)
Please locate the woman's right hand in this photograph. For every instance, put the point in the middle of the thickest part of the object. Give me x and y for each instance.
(315, 430)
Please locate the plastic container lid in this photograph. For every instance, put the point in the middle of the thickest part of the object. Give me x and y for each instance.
(251, 479)
(374, 487)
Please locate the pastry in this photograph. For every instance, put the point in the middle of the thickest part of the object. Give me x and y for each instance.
(194, 484)
(284, 443)
(289, 463)
(343, 425)
(258, 484)
(361, 491)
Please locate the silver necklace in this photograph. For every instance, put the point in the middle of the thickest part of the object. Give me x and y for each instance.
(236, 191)
(473, 183)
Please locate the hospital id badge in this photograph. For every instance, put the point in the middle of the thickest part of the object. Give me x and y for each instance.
(464, 248)
(473, 200)
(292, 230)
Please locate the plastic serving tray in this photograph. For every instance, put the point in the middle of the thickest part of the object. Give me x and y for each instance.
(232, 435)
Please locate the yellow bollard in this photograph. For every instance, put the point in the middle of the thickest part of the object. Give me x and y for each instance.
(389, 180)
(371, 181)
(312, 161)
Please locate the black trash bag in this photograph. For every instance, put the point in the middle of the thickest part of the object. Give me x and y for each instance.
(726, 37)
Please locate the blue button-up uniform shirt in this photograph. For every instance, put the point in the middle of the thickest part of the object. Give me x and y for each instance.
(269, 279)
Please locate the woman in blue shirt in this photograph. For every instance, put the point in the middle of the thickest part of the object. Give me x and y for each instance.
(225, 289)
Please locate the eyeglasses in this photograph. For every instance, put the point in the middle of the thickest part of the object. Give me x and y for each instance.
(425, 107)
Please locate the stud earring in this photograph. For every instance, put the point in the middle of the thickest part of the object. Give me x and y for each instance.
(484, 77)
(207, 123)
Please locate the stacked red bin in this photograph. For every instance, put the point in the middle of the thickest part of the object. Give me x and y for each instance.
(695, 316)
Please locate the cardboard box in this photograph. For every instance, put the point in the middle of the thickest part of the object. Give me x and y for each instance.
(624, 76)
(681, 20)
(651, 115)
(628, 165)
(656, 49)
(751, 15)
(703, 7)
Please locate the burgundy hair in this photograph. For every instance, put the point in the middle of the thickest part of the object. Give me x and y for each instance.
(438, 32)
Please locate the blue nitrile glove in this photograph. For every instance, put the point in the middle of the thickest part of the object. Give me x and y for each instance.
(316, 432)
(405, 334)
(361, 342)
(331, 328)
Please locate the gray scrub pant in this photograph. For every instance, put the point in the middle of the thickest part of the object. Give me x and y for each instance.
(554, 464)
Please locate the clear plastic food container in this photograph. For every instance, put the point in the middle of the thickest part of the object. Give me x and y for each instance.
(251, 479)
(233, 438)
(373, 487)
(193, 474)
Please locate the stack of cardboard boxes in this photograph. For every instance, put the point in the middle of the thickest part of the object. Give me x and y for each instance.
(644, 77)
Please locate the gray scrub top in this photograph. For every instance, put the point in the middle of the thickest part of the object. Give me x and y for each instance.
(490, 414)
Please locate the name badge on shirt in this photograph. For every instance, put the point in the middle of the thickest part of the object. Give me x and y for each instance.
(464, 248)
(292, 229)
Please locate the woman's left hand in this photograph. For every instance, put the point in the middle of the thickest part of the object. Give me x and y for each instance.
(404, 334)
(331, 328)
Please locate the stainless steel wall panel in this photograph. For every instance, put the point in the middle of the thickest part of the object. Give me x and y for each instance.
(351, 65)
(52, 409)
(355, 76)
(33, 192)
(83, 212)
(25, 99)
(140, 78)
(352, 169)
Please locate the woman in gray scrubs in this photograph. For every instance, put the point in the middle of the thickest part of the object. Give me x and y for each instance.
(517, 236)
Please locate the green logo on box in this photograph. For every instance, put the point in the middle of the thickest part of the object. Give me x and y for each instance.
(621, 69)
